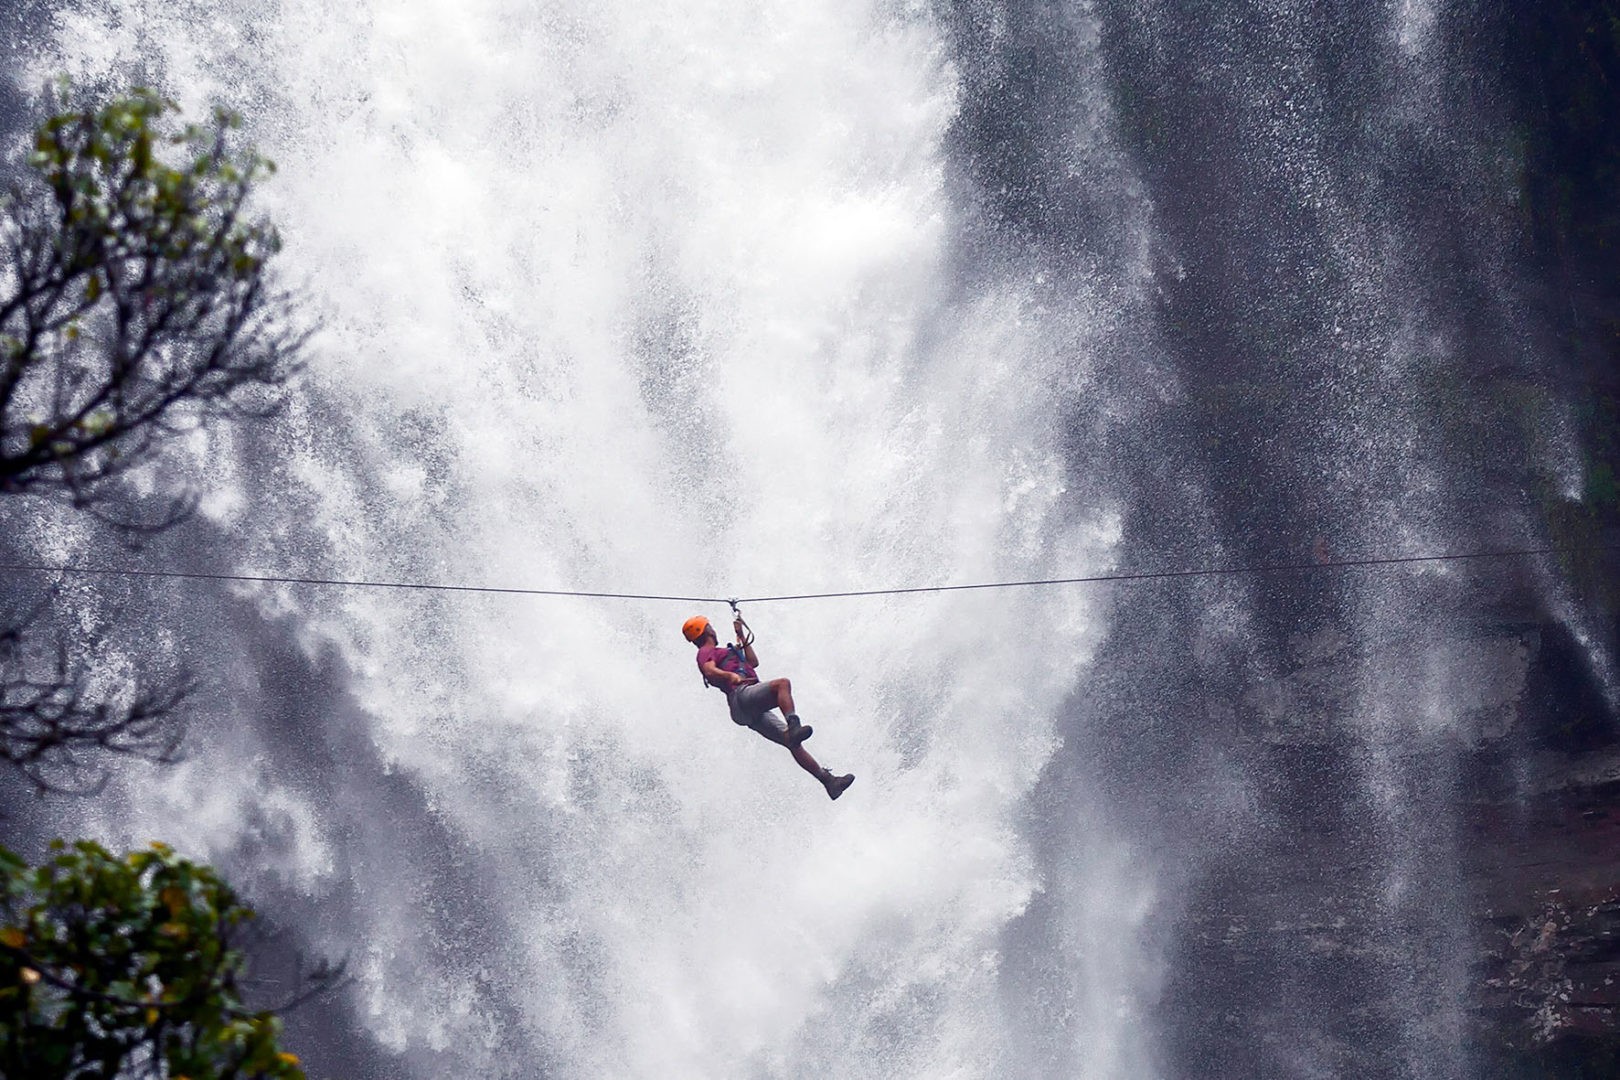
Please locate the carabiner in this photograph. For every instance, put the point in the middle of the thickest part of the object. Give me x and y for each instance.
(747, 631)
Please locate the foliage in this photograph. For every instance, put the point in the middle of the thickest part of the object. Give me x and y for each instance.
(127, 967)
(134, 308)
(135, 305)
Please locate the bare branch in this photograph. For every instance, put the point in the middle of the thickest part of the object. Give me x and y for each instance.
(57, 726)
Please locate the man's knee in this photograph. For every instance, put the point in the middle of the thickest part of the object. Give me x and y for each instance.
(782, 684)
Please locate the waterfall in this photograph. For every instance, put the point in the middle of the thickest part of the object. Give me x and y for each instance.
(720, 299)
(639, 299)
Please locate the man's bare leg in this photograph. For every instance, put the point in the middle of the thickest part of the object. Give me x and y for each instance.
(834, 785)
(784, 696)
(783, 689)
(808, 763)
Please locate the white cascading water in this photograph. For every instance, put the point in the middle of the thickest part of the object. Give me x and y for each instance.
(656, 297)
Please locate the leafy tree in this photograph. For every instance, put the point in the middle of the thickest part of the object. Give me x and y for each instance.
(129, 967)
(135, 307)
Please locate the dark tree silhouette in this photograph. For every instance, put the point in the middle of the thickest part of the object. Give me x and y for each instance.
(134, 303)
(135, 307)
(57, 725)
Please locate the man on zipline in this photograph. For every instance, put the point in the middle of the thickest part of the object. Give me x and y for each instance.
(731, 668)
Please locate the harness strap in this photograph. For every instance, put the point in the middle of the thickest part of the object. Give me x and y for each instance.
(735, 649)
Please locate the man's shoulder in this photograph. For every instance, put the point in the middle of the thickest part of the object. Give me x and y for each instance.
(709, 652)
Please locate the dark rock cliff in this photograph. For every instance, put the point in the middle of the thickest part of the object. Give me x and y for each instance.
(1532, 822)
(1545, 858)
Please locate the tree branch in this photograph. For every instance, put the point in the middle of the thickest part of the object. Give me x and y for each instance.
(57, 728)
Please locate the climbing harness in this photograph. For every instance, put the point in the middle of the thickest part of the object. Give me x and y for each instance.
(735, 652)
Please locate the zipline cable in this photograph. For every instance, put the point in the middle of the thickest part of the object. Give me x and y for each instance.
(1157, 575)
(270, 579)
(1147, 575)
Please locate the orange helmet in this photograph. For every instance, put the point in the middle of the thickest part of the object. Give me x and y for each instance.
(695, 627)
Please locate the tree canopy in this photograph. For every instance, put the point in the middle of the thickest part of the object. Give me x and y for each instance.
(127, 967)
(134, 298)
(135, 306)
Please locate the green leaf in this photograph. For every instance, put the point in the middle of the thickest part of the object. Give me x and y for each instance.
(107, 923)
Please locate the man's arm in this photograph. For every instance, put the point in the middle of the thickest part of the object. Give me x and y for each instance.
(720, 676)
(748, 648)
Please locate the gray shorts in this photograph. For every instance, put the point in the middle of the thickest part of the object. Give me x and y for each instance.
(755, 707)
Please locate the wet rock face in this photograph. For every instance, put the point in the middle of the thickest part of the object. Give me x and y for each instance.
(1485, 678)
(1548, 875)
(1475, 926)
(1561, 966)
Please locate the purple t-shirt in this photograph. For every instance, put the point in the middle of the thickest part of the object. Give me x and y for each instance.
(726, 660)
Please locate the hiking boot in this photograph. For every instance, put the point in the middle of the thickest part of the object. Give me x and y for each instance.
(797, 732)
(836, 785)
